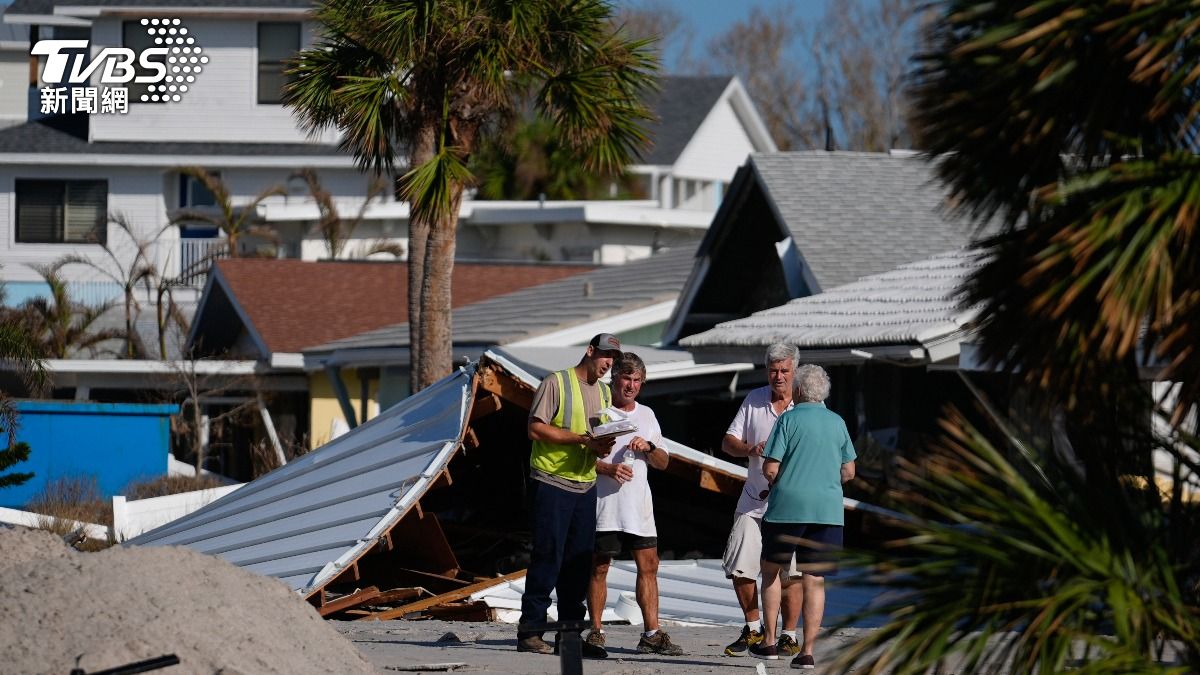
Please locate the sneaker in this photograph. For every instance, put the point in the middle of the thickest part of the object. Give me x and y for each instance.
(534, 644)
(660, 643)
(763, 650)
(591, 647)
(595, 637)
(804, 662)
(786, 646)
(747, 639)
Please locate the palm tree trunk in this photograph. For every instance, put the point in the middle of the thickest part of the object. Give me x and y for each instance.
(129, 349)
(418, 237)
(437, 344)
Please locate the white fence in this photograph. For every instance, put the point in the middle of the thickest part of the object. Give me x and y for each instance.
(35, 521)
(131, 518)
(196, 257)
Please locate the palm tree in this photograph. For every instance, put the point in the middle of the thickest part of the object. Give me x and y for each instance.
(235, 220)
(126, 271)
(528, 161)
(431, 78)
(1068, 128)
(61, 325)
(334, 229)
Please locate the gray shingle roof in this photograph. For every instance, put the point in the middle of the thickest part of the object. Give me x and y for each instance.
(680, 104)
(68, 135)
(542, 309)
(852, 214)
(912, 304)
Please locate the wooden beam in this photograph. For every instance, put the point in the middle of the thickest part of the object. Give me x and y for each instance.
(350, 601)
(485, 405)
(506, 387)
(443, 480)
(470, 439)
(442, 599)
(399, 595)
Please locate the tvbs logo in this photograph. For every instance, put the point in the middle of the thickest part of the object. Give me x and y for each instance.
(162, 72)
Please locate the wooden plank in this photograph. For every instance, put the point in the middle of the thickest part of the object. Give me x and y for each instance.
(399, 595)
(471, 439)
(485, 406)
(444, 598)
(347, 602)
(505, 386)
(471, 611)
(443, 480)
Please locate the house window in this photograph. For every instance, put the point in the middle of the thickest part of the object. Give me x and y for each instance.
(61, 211)
(278, 41)
(135, 37)
(192, 192)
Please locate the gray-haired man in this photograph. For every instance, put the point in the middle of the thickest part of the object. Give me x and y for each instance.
(747, 437)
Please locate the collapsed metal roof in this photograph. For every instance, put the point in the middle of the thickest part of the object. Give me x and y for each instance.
(312, 522)
(307, 521)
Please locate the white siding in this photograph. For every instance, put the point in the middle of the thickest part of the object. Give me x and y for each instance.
(14, 87)
(718, 148)
(222, 103)
(136, 193)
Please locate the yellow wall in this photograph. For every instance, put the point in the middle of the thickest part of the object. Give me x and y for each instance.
(324, 408)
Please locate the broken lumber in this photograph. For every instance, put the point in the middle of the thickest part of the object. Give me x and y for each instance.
(361, 597)
(443, 599)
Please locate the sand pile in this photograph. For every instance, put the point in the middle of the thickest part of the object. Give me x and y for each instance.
(128, 604)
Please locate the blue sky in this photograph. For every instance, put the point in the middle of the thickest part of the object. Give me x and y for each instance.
(708, 18)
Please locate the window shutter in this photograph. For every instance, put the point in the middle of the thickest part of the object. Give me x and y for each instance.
(39, 210)
(87, 205)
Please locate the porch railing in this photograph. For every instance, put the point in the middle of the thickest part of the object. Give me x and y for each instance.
(196, 257)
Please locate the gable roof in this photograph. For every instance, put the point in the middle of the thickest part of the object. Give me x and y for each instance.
(537, 310)
(918, 304)
(794, 223)
(287, 305)
(680, 105)
(852, 214)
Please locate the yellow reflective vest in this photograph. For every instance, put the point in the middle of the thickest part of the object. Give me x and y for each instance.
(572, 461)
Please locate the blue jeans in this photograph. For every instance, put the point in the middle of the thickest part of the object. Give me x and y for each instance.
(564, 535)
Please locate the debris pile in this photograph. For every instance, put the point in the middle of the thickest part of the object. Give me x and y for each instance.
(62, 609)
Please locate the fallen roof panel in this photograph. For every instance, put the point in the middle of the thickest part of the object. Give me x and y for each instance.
(308, 520)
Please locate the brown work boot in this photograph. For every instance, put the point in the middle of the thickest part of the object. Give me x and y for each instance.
(534, 644)
(659, 643)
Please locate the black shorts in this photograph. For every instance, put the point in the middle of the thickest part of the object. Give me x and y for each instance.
(612, 543)
(780, 541)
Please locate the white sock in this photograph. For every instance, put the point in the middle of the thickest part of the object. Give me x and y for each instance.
(791, 634)
(650, 633)
(755, 625)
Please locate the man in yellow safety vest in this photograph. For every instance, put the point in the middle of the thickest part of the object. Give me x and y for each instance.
(563, 468)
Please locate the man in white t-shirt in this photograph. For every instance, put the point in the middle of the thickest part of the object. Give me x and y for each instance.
(625, 510)
(746, 437)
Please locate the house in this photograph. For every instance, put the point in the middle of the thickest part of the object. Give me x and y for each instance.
(796, 223)
(269, 311)
(632, 301)
(891, 344)
(14, 72)
(74, 163)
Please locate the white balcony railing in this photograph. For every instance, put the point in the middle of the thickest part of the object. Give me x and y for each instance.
(196, 257)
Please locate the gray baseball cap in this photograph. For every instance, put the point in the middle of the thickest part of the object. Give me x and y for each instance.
(606, 342)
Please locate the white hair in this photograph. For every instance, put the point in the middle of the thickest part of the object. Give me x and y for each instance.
(782, 352)
(812, 382)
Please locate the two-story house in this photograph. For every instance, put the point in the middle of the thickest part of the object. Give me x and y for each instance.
(80, 159)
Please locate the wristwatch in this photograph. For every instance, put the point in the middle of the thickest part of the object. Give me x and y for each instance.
(653, 447)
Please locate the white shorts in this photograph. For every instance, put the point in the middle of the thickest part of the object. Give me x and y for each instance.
(743, 553)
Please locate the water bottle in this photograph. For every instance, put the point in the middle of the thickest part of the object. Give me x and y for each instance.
(629, 460)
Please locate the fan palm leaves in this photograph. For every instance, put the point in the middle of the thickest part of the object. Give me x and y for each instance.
(421, 82)
(1008, 564)
(1072, 125)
